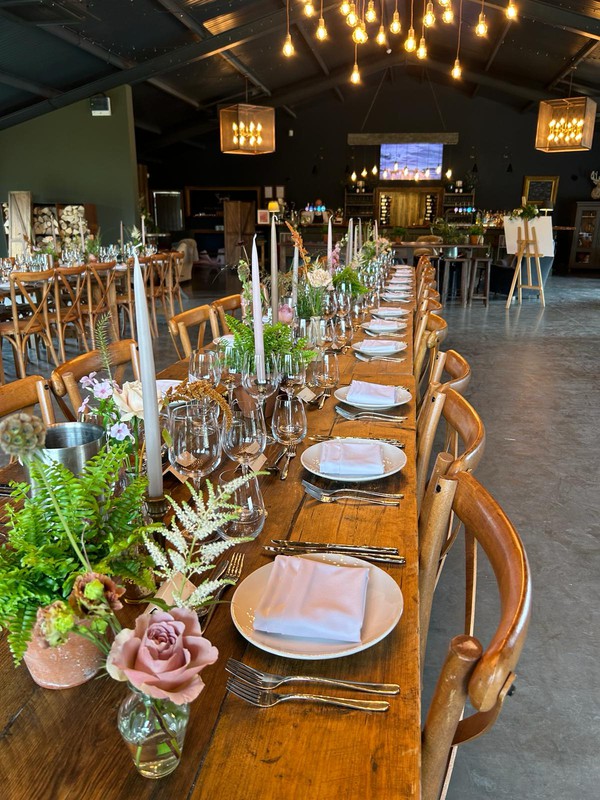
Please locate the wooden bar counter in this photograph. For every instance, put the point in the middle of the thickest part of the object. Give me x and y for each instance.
(64, 744)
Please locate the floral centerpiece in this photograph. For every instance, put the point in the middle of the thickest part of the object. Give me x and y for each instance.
(314, 280)
(349, 276)
(278, 339)
(526, 211)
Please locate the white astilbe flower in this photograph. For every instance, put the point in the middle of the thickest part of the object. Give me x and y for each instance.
(189, 555)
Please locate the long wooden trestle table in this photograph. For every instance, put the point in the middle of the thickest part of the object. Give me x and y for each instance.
(64, 744)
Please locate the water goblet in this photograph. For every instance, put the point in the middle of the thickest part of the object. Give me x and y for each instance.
(195, 446)
(293, 373)
(325, 372)
(289, 421)
(329, 305)
(260, 377)
(231, 363)
(205, 366)
(246, 436)
(252, 514)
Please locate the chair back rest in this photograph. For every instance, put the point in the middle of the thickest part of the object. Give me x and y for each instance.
(70, 287)
(65, 378)
(25, 393)
(434, 333)
(101, 278)
(453, 366)
(161, 275)
(219, 308)
(481, 675)
(30, 294)
(179, 325)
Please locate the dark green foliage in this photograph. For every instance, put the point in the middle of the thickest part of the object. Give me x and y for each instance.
(278, 340)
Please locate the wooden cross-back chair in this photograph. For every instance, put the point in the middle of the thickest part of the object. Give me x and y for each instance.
(452, 371)
(180, 324)
(176, 272)
(31, 294)
(101, 294)
(159, 287)
(70, 292)
(472, 672)
(24, 394)
(435, 332)
(218, 310)
(65, 378)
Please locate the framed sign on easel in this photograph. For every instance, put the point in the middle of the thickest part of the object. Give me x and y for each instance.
(528, 240)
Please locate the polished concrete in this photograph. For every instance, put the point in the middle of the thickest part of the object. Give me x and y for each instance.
(535, 384)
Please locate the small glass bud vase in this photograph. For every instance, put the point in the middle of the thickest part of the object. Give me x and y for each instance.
(154, 731)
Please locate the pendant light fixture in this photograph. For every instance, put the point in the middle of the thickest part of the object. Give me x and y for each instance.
(247, 129)
(381, 38)
(288, 47)
(410, 45)
(309, 8)
(565, 125)
(345, 8)
(370, 13)
(422, 49)
(456, 69)
(355, 75)
(448, 15)
(511, 11)
(351, 17)
(429, 15)
(396, 25)
(481, 28)
(321, 28)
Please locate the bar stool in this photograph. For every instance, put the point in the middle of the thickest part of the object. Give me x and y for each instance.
(483, 264)
(464, 263)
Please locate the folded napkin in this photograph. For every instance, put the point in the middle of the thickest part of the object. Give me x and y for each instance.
(383, 325)
(392, 311)
(397, 279)
(377, 346)
(373, 394)
(351, 458)
(313, 599)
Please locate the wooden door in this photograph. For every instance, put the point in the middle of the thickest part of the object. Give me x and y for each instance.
(238, 218)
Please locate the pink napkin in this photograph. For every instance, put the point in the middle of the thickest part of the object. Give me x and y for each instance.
(383, 325)
(372, 393)
(313, 599)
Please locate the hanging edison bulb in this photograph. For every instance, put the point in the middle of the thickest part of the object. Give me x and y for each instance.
(444, 3)
(438, 169)
(321, 30)
(448, 174)
(353, 177)
(422, 49)
(395, 25)
(355, 76)
(410, 45)
(374, 170)
(417, 175)
(309, 9)
(448, 15)
(511, 11)
(359, 34)
(364, 173)
(429, 18)
(456, 70)
(427, 172)
(381, 38)
(370, 13)
(351, 18)
(384, 174)
(288, 47)
(345, 8)
(481, 28)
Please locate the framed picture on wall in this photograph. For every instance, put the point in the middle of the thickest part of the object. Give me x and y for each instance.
(262, 216)
(540, 190)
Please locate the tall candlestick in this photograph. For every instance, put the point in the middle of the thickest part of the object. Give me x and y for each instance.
(259, 342)
(329, 242)
(295, 278)
(349, 248)
(81, 235)
(375, 230)
(143, 232)
(274, 273)
(149, 392)
(359, 238)
(122, 232)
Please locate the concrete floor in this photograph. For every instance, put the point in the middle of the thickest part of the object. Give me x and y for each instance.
(535, 385)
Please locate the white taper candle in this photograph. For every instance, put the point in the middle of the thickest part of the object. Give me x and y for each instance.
(259, 342)
(295, 278)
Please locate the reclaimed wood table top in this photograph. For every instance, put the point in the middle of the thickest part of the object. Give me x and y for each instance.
(65, 744)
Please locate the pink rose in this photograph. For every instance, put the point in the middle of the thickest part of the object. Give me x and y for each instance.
(163, 656)
(286, 314)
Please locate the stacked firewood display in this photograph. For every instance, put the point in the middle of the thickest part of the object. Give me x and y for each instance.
(44, 225)
(67, 227)
(5, 218)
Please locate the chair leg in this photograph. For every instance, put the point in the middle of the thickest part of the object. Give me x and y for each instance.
(465, 273)
(446, 282)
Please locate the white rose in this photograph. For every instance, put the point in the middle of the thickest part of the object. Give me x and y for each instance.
(319, 278)
(128, 401)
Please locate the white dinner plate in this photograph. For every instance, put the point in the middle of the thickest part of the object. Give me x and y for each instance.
(394, 460)
(396, 297)
(374, 327)
(164, 386)
(388, 313)
(226, 340)
(402, 396)
(392, 346)
(383, 609)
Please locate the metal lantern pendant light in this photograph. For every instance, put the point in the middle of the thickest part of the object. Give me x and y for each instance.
(247, 130)
(565, 125)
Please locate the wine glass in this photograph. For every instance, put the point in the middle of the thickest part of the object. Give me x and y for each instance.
(252, 514)
(344, 299)
(205, 366)
(246, 437)
(293, 373)
(289, 420)
(260, 377)
(231, 363)
(342, 333)
(325, 373)
(329, 305)
(195, 448)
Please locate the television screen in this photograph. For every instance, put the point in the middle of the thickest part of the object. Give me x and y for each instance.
(402, 162)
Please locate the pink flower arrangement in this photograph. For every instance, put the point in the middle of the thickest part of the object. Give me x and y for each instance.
(163, 655)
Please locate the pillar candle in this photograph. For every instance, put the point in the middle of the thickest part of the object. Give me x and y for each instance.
(329, 242)
(349, 247)
(149, 392)
(295, 278)
(259, 342)
(143, 232)
(274, 273)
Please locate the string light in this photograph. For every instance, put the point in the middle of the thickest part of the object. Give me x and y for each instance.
(345, 8)
(288, 47)
(355, 76)
(448, 15)
(353, 177)
(309, 9)
(444, 3)
(395, 25)
(456, 69)
(511, 11)
(481, 28)
(371, 14)
(374, 170)
(351, 18)
(429, 16)
(321, 30)
(422, 49)
(410, 45)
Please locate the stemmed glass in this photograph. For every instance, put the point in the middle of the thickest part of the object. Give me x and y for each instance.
(293, 373)
(231, 363)
(195, 448)
(205, 366)
(329, 306)
(246, 437)
(342, 334)
(325, 373)
(344, 300)
(289, 426)
(260, 377)
(248, 498)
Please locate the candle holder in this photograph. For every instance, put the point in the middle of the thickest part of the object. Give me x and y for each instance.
(157, 508)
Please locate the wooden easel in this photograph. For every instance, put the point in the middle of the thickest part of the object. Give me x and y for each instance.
(527, 249)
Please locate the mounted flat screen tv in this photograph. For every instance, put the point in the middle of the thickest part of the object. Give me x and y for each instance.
(404, 162)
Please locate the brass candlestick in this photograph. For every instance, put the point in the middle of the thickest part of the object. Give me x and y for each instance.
(157, 507)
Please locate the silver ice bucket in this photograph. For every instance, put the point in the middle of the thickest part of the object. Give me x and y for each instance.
(72, 444)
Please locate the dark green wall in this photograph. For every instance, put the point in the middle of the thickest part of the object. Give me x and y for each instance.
(68, 156)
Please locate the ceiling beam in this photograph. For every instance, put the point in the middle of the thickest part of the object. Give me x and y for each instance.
(28, 86)
(166, 62)
(567, 71)
(74, 38)
(358, 139)
(494, 53)
(301, 26)
(553, 15)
